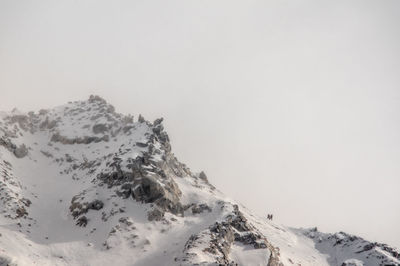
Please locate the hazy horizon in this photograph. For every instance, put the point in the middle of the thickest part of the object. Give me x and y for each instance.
(291, 108)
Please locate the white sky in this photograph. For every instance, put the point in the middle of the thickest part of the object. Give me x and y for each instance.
(290, 107)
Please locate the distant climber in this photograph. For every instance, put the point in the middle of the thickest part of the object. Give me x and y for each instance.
(270, 216)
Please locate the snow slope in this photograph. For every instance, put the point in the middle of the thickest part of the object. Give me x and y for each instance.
(83, 185)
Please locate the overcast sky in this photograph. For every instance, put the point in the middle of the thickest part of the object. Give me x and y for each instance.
(290, 107)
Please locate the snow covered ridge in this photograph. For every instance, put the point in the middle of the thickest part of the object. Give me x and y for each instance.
(352, 250)
(81, 184)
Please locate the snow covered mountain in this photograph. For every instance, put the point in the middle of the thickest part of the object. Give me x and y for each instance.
(83, 185)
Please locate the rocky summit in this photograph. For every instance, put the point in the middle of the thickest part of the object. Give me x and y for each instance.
(81, 184)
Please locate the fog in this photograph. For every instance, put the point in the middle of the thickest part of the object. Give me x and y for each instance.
(290, 107)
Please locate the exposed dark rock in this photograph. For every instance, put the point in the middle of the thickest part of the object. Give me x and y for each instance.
(155, 215)
(126, 129)
(82, 221)
(7, 144)
(141, 145)
(68, 158)
(196, 209)
(203, 176)
(158, 121)
(148, 181)
(221, 235)
(96, 205)
(26, 202)
(141, 119)
(79, 140)
(96, 98)
(125, 191)
(99, 128)
(149, 190)
(47, 154)
(77, 208)
(21, 151)
(21, 212)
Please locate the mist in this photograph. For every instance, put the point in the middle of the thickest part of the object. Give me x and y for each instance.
(290, 107)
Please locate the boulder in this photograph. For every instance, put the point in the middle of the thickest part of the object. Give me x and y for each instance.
(96, 205)
(21, 151)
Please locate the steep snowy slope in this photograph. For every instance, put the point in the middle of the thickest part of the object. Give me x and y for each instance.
(83, 185)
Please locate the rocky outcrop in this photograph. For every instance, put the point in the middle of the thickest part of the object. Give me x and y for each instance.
(77, 207)
(19, 151)
(13, 204)
(57, 137)
(148, 178)
(82, 221)
(100, 128)
(220, 237)
(200, 208)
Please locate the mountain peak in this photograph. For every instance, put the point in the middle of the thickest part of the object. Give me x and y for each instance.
(85, 185)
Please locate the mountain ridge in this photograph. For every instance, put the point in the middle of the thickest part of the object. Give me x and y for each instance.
(85, 185)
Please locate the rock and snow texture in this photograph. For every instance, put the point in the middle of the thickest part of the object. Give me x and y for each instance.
(83, 185)
(344, 249)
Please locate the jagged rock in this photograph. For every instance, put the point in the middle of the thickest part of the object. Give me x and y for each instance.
(197, 209)
(158, 121)
(251, 238)
(149, 190)
(21, 212)
(82, 221)
(125, 191)
(26, 202)
(141, 119)
(96, 98)
(147, 181)
(221, 235)
(78, 208)
(203, 176)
